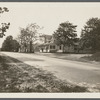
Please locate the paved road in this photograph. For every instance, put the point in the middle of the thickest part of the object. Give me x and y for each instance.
(73, 71)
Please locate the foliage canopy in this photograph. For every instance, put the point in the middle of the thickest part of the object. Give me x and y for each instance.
(65, 34)
(90, 36)
(4, 26)
(10, 44)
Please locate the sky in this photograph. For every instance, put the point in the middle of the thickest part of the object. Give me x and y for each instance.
(47, 15)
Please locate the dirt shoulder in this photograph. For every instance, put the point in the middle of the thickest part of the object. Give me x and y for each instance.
(15, 76)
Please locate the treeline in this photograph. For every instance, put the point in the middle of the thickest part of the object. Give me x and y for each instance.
(90, 35)
(65, 34)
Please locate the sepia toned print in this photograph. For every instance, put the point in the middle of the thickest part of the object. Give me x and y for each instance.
(49, 48)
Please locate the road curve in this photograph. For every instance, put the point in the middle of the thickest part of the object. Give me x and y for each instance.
(72, 71)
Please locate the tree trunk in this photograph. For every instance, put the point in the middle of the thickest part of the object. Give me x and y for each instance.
(30, 46)
(63, 48)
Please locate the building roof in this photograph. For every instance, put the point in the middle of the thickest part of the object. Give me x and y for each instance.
(49, 37)
(46, 44)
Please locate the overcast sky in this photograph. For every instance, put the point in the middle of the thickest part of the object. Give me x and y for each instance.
(47, 15)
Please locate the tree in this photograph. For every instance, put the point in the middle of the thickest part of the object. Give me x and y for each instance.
(90, 35)
(28, 36)
(65, 34)
(7, 44)
(15, 46)
(10, 44)
(4, 26)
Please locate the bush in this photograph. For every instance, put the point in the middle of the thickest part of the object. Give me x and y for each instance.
(96, 56)
(53, 51)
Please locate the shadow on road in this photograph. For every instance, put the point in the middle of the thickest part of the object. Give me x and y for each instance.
(26, 59)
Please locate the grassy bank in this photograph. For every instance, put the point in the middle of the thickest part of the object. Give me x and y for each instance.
(93, 57)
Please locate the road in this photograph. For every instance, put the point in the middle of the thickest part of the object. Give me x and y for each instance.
(72, 71)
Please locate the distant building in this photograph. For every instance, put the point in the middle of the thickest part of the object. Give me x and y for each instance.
(46, 38)
(48, 45)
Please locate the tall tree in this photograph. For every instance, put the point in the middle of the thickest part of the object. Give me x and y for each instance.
(65, 34)
(90, 35)
(28, 36)
(15, 46)
(4, 26)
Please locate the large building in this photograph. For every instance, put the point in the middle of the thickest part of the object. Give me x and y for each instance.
(48, 45)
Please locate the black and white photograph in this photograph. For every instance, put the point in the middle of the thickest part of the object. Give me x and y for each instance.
(49, 47)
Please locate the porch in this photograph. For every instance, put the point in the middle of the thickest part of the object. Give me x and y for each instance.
(50, 47)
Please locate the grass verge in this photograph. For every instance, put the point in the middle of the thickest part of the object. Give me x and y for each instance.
(94, 57)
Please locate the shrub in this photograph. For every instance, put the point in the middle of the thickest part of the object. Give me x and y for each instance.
(53, 51)
(96, 56)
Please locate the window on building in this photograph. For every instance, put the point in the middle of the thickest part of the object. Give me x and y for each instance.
(60, 47)
(52, 46)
